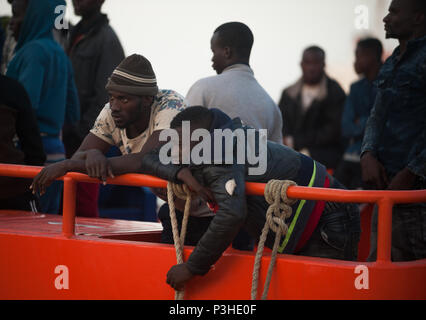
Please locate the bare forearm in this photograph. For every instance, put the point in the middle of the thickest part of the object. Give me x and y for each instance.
(79, 155)
(75, 165)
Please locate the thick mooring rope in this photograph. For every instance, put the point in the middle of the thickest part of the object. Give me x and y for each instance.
(279, 209)
(181, 192)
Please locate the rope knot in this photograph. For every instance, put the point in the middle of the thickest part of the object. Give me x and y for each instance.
(279, 210)
(181, 191)
(279, 204)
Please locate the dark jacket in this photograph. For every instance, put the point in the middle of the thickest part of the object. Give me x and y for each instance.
(95, 51)
(356, 112)
(396, 130)
(237, 209)
(17, 118)
(317, 129)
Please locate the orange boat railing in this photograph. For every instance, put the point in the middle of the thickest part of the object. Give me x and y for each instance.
(384, 199)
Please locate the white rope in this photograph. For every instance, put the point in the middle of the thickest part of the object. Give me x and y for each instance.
(182, 192)
(279, 210)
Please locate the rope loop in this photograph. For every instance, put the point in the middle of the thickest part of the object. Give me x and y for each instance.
(279, 210)
(279, 204)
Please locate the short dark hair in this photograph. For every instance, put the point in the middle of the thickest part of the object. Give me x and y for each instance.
(315, 49)
(238, 36)
(197, 115)
(419, 6)
(372, 44)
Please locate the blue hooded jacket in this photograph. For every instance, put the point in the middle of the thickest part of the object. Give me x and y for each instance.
(43, 68)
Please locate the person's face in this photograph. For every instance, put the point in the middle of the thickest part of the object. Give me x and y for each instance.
(312, 67)
(125, 109)
(365, 59)
(220, 54)
(19, 8)
(400, 21)
(86, 7)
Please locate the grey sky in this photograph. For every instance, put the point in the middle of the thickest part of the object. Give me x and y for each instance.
(175, 35)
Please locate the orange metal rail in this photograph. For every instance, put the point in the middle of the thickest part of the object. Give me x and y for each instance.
(117, 268)
(384, 199)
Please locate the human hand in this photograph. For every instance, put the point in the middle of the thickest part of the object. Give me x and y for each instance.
(204, 193)
(98, 166)
(373, 172)
(160, 192)
(47, 176)
(404, 180)
(178, 276)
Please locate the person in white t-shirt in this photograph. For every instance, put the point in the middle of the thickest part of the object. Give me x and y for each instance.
(132, 121)
(312, 111)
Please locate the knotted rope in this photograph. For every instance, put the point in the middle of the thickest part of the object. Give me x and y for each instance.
(279, 209)
(181, 192)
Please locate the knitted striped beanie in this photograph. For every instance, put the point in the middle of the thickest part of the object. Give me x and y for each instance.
(134, 75)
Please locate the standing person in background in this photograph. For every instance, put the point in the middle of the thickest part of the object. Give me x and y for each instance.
(368, 61)
(8, 45)
(44, 70)
(95, 51)
(394, 147)
(17, 119)
(312, 111)
(235, 90)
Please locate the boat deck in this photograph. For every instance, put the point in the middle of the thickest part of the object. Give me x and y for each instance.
(28, 223)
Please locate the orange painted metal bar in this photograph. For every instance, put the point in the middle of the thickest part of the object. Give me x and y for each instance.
(297, 192)
(384, 231)
(69, 204)
(385, 199)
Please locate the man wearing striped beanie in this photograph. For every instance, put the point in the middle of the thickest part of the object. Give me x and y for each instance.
(132, 121)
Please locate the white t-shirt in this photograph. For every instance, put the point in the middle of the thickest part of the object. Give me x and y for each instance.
(167, 104)
(309, 94)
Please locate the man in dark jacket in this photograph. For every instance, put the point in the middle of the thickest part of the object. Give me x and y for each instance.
(393, 154)
(312, 110)
(95, 51)
(18, 119)
(368, 61)
(317, 228)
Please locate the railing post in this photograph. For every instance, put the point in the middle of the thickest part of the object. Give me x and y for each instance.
(384, 230)
(68, 212)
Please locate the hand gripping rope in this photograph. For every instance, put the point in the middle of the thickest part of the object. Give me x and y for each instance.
(182, 192)
(279, 209)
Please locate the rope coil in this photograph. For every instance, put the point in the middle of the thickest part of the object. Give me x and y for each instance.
(181, 192)
(279, 210)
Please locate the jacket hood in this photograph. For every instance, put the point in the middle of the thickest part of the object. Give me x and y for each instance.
(39, 21)
(220, 119)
